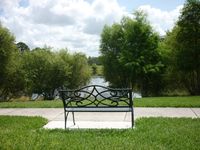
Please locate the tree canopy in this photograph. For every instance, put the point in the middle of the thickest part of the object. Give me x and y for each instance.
(182, 49)
(129, 53)
(7, 51)
(188, 50)
(40, 70)
(46, 71)
(22, 47)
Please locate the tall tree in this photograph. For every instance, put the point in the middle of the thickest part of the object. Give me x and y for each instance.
(45, 71)
(140, 55)
(168, 47)
(7, 50)
(111, 46)
(188, 49)
(130, 55)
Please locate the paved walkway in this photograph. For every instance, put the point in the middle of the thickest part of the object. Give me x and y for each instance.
(99, 119)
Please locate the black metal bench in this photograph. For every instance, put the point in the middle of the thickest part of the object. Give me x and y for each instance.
(95, 98)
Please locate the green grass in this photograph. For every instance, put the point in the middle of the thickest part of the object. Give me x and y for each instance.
(189, 101)
(186, 101)
(33, 104)
(150, 133)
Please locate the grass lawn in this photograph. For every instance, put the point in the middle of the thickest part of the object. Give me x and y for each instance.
(189, 101)
(185, 101)
(33, 104)
(150, 133)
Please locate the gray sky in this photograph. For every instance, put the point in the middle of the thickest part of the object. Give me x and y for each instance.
(77, 24)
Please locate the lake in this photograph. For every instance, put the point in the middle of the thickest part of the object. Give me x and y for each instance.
(99, 80)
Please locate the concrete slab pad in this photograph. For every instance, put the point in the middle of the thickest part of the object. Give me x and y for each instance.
(94, 116)
(89, 125)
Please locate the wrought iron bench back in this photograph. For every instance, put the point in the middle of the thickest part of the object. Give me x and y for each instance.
(96, 96)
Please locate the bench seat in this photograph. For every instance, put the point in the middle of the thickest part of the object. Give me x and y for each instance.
(98, 109)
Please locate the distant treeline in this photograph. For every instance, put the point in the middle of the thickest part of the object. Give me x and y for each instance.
(96, 65)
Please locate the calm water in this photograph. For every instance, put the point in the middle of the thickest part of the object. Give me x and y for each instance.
(98, 80)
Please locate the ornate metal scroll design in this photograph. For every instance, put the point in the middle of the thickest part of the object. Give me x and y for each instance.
(97, 96)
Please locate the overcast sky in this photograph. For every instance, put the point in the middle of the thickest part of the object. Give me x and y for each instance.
(77, 24)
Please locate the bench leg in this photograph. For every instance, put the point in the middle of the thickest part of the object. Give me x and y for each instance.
(73, 117)
(66, 115)
(132, 118)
